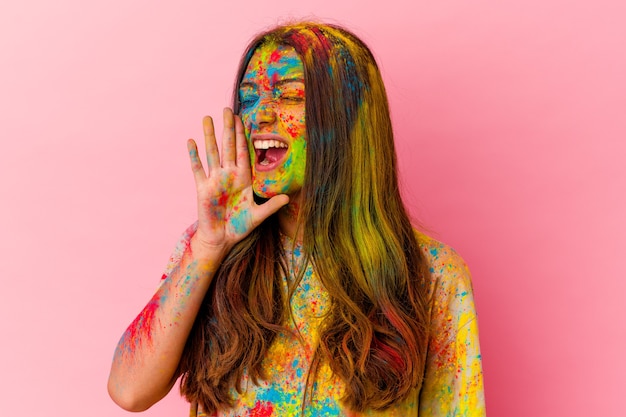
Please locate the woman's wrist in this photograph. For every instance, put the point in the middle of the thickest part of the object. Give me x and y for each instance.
(205, 254)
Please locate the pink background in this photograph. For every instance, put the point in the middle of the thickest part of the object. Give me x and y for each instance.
(510, 123)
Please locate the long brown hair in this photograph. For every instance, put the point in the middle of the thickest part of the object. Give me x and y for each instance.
(357, 235)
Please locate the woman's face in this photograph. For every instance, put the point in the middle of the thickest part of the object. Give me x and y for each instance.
(272, 110)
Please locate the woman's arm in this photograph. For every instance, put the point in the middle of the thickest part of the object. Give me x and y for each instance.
(147, 355)
(453, 380)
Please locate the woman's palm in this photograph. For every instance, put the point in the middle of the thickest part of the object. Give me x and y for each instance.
(226, 209)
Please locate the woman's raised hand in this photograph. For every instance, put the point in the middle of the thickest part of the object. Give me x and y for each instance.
(226, 209)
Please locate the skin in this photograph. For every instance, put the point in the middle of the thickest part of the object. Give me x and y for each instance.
(272, 100)
(147, 356)
(148, 353)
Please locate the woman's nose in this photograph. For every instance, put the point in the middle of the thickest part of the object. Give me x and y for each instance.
(265, 114)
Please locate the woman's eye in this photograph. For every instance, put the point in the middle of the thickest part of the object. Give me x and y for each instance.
(292, 97)
(248, 101)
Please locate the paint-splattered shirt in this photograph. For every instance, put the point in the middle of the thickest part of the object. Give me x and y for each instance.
(453, 383)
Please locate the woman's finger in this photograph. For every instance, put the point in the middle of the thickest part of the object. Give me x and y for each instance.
(243, 156)
(271, 206)
(212, 154)
(196, 163)
(228, 139)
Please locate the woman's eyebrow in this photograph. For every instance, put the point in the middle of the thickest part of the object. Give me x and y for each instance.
(248, 84)
(288, 80)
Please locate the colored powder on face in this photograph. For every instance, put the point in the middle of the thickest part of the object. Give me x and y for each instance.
(274, 56)
(263, 93)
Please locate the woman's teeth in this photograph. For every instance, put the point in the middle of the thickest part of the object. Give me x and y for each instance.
(266, 144)
(269, 151)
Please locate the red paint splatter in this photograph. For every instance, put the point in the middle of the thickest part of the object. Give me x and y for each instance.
(262, 409)
(140, 330)
(292, 130)
(275, 56)
(223, 199)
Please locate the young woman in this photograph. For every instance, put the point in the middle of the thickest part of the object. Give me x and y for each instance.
(303, 289)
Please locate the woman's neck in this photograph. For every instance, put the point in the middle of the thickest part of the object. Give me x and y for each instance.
(288, 218)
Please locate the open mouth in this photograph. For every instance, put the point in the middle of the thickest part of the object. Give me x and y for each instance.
(269, 153)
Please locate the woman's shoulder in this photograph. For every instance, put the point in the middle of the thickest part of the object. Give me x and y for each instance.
(443, 261)
(450, 278)
(453, 377)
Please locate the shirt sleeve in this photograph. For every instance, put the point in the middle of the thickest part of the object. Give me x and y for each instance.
(179, 250)
(453, 380)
